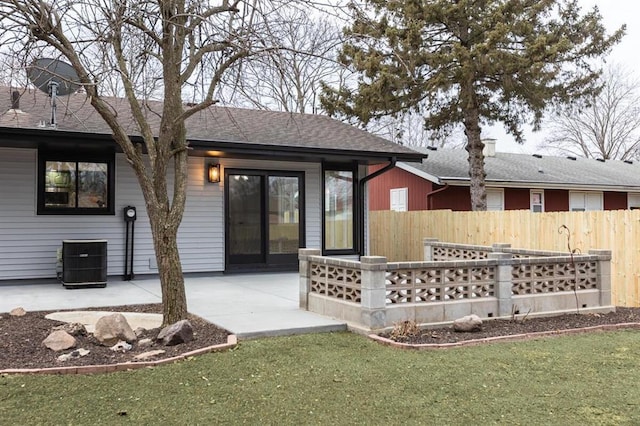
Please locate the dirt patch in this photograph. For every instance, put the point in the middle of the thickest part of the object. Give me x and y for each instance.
(21, 341)
(495, 328)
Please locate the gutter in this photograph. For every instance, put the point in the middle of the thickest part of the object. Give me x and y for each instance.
(545, 185)
(430, 200)
(362, 207)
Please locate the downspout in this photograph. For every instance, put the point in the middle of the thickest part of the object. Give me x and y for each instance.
(362, 207)
(430, 200)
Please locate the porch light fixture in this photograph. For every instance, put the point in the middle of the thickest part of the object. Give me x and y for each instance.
(213, 173)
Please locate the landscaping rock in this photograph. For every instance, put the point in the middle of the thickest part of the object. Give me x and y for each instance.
(140, 331)
(110, 329)
(468, 323)
(147, 355)
(78, 353)
(145, 342)
(74, 329)
(121, 346)
(180, 332)
(18, 312)
(59, 340)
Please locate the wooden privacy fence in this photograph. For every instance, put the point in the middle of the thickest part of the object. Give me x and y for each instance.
(399, 237)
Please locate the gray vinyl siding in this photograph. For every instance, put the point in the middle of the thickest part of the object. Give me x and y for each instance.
(28, 242)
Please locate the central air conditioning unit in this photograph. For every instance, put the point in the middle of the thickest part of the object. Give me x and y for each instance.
(84, 263)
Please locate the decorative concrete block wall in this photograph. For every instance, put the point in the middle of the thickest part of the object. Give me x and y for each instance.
(454, 280)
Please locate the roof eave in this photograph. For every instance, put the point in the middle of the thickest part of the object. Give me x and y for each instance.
(227, 148)
(420, 173)
(34, 138)
(543, 185)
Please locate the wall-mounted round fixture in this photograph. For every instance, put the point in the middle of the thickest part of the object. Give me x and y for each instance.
(213, 173)
(129, 214)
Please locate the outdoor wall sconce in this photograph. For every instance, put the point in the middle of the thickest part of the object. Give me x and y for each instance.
(213, 173)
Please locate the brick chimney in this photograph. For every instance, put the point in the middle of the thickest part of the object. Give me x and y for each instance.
(489, 147)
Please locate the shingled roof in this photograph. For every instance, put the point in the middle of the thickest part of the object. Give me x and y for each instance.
(255, 129)
(533, 171)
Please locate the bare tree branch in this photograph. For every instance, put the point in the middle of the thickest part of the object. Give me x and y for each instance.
(607, 126)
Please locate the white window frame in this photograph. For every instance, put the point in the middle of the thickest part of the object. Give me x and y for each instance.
(500, 193)
(532, 202)
(401, 195)
(584, 204)
(633, 200)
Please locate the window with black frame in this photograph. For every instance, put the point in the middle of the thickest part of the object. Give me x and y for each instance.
(73, 183)
(339, 210)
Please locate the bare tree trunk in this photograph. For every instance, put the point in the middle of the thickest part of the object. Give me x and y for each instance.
(174, 300)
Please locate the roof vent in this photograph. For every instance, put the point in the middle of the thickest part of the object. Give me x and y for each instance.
(15, 100)
(537, 155)
(571, 158)
(432, 148)
(600, 160)
(628, 161)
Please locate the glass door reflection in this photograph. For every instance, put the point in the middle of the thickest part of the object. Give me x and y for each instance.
(244, 218)
(284, 215)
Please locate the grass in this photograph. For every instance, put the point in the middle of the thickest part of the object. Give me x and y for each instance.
(343, 378)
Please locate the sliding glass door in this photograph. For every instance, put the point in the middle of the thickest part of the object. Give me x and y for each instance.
(265, 219)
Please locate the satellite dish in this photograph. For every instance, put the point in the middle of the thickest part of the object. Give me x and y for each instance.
(54, 77)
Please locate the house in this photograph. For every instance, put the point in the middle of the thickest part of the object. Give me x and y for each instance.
(514, 182)
(284, 181)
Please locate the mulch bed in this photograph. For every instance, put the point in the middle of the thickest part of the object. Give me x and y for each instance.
(21, 337)
(527, 325)
(21, 341)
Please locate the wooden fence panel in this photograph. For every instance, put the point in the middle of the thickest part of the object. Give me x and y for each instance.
(398, 236)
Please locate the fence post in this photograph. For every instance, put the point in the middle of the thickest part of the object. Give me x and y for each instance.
(498, 247)
(428, 248)
(604, 275)
(304, 260)
(503, 282)
(374, 291)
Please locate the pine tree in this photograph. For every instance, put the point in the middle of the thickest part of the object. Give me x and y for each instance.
(470, 62)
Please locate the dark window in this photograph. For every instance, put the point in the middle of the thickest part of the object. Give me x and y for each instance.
(76, 183)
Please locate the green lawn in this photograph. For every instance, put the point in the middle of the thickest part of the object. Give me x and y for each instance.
(346, 379)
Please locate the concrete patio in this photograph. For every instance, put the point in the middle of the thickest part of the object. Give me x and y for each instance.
(248, 305)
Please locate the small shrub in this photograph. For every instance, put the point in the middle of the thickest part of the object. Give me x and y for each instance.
(404, 331)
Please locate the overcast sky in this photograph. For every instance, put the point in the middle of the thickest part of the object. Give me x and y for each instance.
(627, 53)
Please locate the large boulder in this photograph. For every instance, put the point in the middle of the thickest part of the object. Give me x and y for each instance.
(180, 332)
(113, 328)
(59, 340)
(468, 323)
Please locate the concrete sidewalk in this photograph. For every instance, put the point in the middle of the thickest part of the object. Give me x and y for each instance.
(248, 305)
